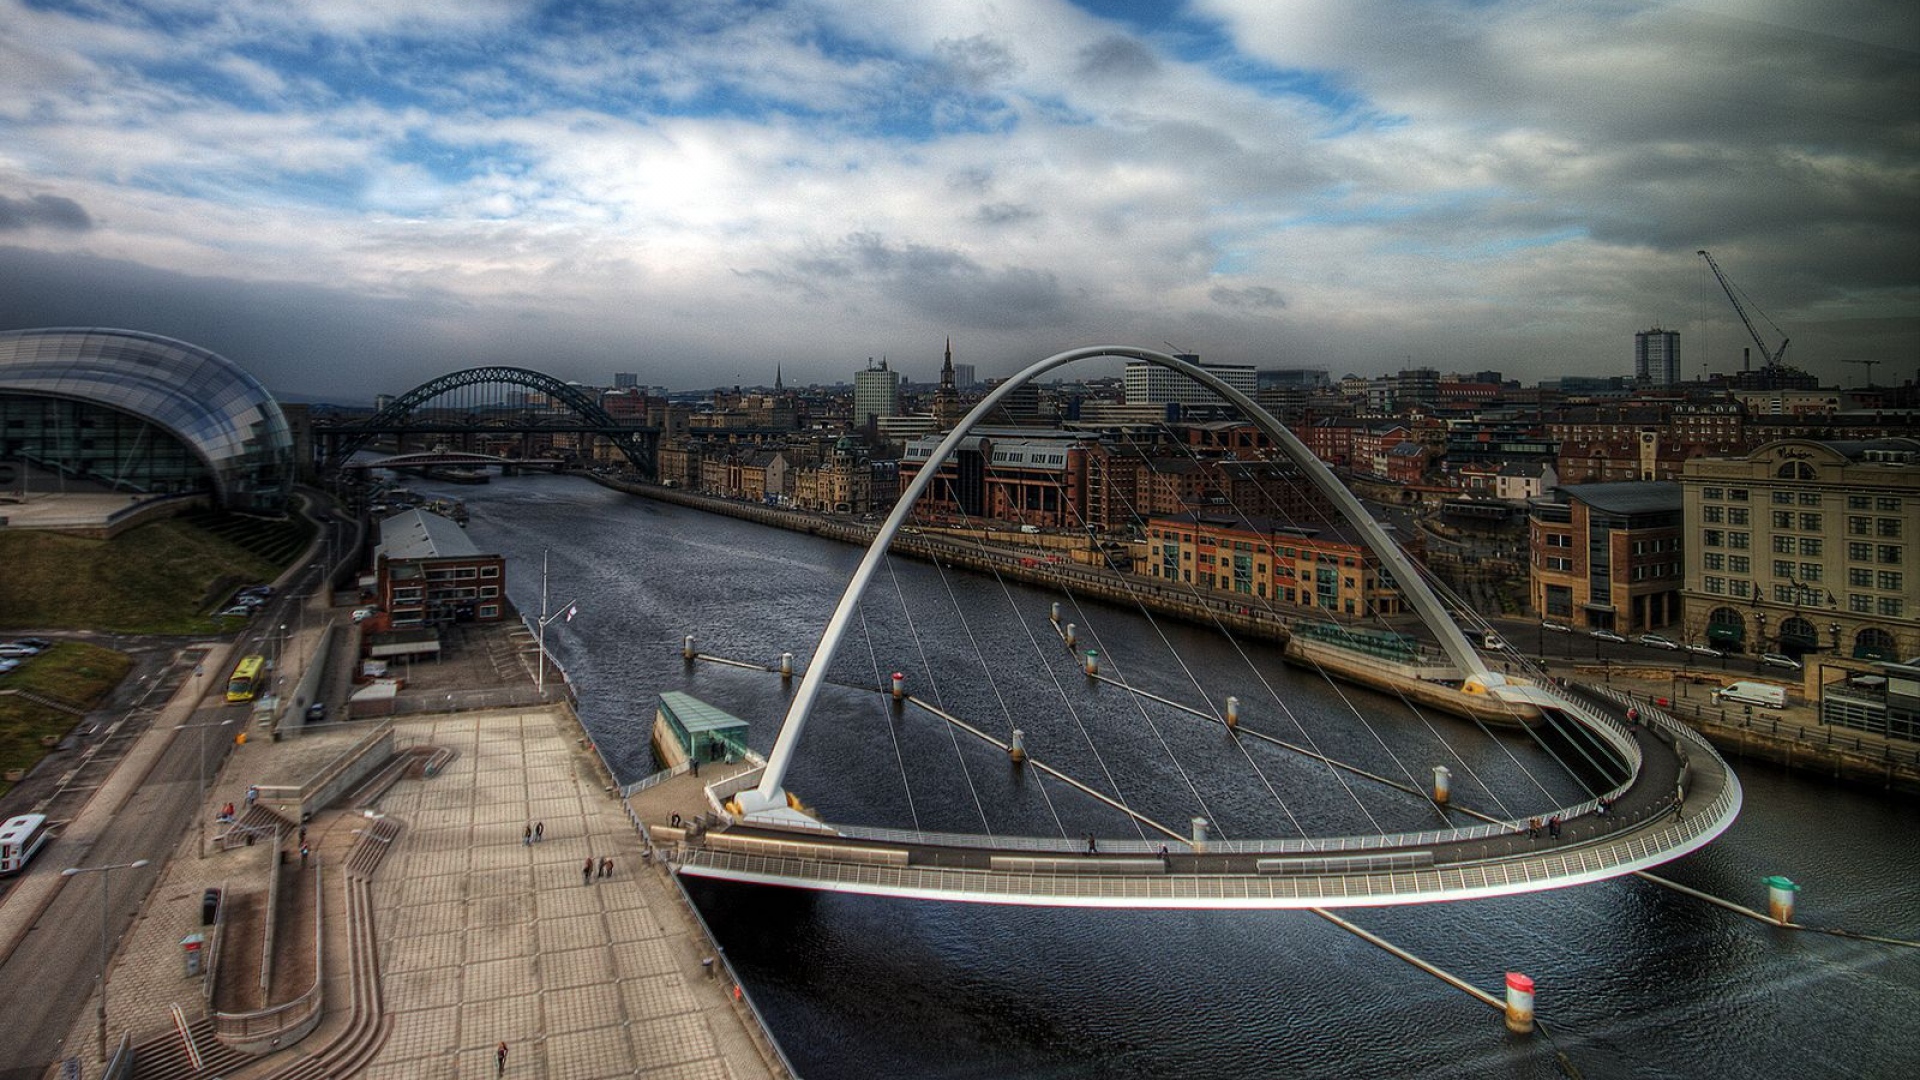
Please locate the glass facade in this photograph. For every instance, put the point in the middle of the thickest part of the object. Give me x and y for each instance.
(141, 412)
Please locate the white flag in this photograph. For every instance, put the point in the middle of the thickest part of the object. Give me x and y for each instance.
(572, 610)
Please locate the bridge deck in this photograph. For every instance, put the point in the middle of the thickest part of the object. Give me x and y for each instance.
(1644, 827)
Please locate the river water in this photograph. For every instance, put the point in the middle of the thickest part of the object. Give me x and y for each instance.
(1634, 980)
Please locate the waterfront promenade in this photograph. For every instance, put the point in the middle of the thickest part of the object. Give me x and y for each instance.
(480, 937)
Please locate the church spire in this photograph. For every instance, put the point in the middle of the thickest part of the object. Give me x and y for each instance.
(777, 384)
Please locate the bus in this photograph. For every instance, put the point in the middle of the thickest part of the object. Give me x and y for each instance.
(248, 678)
(20, 837)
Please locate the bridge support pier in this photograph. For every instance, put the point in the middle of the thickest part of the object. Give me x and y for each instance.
(1199, 836)
(1519, 1003)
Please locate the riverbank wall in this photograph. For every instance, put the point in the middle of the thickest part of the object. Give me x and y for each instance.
(1047, 566)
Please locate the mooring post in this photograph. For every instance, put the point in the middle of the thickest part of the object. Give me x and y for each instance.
(1017, 750)
(1442, 784)
(1071, 634)
(1054, 615)
(786, 665)
(1199, 836)
(686, 649)
(1233, 713)
(1093, 662)
(899, 685)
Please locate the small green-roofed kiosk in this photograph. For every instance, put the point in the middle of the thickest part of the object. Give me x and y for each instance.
(697, 730)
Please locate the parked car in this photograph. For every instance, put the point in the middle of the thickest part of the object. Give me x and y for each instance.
(238, 611)
(18, 650)
(7, 665)
(1606, 635)
(1703, 650)
(1558, 628)
(1779, 660)
(1657, 641)
(362, 614)
(317, 712)
(35, 642)
(262, 591)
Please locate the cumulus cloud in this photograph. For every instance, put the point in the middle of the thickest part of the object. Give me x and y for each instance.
(1352, 183)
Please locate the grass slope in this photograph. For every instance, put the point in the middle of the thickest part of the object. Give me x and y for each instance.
(161, 578)
(73, 673)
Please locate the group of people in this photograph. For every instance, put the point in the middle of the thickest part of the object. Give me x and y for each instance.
(1552, 824)
(536, 831)
(593, 869)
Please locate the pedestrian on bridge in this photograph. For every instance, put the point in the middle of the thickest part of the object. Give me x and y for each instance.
(500, 1059)
(539, 831)
(526, 838)
(586, 872)
(1533, 828)
(1553, 827)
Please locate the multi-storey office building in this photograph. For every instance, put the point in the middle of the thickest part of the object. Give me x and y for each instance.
(1607, 556)
(1806, 545)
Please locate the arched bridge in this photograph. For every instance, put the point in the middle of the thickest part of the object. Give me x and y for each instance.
(479, 409)
(1660, 790)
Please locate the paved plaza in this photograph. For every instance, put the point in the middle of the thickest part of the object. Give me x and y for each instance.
(483, 937)
(486, 938)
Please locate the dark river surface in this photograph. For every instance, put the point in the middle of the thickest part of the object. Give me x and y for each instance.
(1634, 980)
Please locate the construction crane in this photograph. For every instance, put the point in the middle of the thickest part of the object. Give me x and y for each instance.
(1869, 364)
(1773, 358)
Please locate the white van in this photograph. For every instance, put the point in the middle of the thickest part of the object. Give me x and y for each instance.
(1752, 693)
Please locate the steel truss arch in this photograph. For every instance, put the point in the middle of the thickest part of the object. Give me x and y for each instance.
(632, 445)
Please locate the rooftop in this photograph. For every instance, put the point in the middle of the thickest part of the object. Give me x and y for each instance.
(416, 534)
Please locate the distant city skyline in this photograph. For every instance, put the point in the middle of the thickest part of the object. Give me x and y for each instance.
(344, 194)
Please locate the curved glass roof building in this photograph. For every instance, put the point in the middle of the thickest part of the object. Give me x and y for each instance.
(140, 412)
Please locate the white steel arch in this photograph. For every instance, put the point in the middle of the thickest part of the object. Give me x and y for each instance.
(769, 799)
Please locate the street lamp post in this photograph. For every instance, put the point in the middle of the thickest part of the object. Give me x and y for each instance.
(201, 816)
(1833, 631)
(1761, 618)
(540, 678)
(106, 883)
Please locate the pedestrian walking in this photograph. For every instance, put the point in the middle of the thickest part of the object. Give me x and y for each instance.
(1533, 828)
(526, 838)
(253, 795)
(500, 1059)
(539, 831)
(1553, 827)
(586, 872)
(696, 766)
(606, 867)
(1093, 846)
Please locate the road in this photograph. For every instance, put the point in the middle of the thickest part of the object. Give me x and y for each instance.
(45, 982)
(47, 979)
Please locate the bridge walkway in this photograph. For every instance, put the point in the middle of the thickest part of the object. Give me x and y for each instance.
(1646, 815)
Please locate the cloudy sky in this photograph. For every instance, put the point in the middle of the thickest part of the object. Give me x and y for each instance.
(349, 196)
